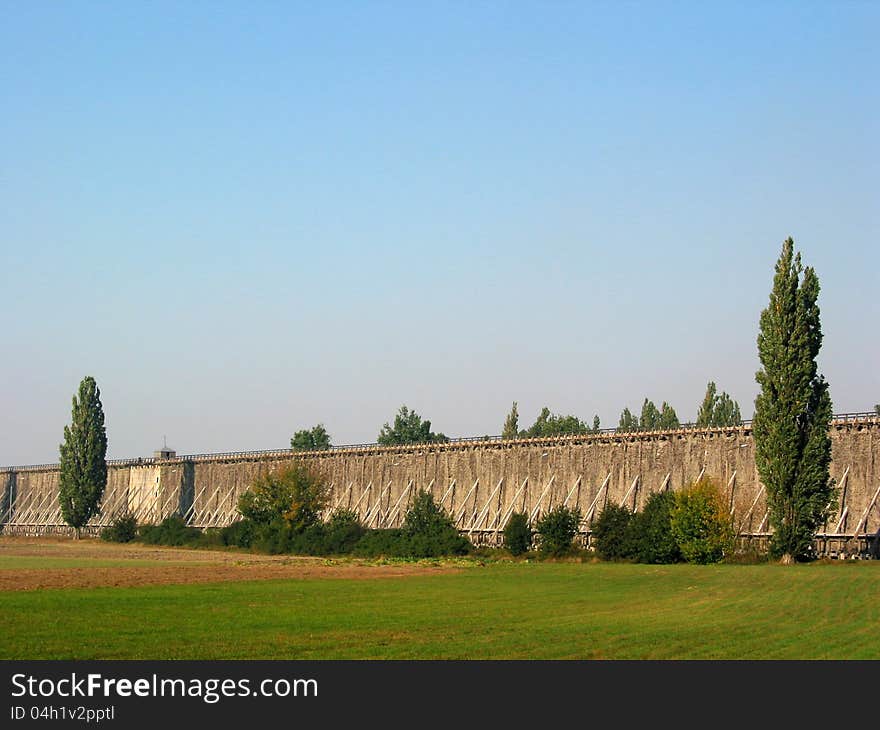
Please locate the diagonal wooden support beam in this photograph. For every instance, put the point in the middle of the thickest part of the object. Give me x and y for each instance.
(485, 511)
(537, 507)
(464, 502)
(665, 486)
(446, 494)
(206, 516)
(577, 484)
(374, 510)
(751, 509)
(364, 493)
(588, 517)
(110, 510)
(341, 495)
(864, 517)
(842, 520)
(731, 485)
(512, 507)
(763, 521)
(191, 510)
(24, 508)
(843, 508)
(24, 517)
(393, 513)
(630, 490)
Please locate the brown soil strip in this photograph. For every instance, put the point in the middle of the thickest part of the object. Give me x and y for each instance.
(178, 566)
(29, 580)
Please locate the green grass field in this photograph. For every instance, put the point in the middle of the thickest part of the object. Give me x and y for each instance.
(498, 611)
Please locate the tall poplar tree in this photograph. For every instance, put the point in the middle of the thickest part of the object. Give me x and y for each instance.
(511, 424)
(793, 410)
(718, 410)
(83, 466)
(706, 414)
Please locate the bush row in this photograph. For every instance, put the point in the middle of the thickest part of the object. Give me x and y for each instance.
(692, 525)
(281, 514)
(427, 531)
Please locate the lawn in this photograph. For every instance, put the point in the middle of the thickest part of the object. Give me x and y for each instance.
(496, 611)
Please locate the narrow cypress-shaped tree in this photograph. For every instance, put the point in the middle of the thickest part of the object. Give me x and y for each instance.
(628, 422)
(83, 467)
(668, 418)
(793, 410)
(705, 416)
(650, 418)
(727, 412)
(718, 410)
(511, 424)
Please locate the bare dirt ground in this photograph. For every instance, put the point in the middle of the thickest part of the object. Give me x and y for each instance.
(142, 565)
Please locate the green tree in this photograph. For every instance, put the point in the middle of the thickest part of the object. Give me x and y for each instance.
(408, 428)
(83, 473)
(718, 410)
(650, 418)
(701, 524)
(550, 424)
(311, 439)
(651, 538)
(557, 529)
(727, 412)
(518, 534)
(793, 410)
(628, 422)
(706, 414)
(612, 533)
(511, 424)
(426, 517)
(293, 495)
(668, 419)
(428, 530)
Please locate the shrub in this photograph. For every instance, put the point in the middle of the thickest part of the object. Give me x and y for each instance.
(556, 530)
(123, 528)
(650, 538)
(518, 534)
(295, 495)
(428, 531)
(426, 517)
(613, 534)
(342, 531)
(210, 537)
(238, 534)
(701, 523)
(273, 537)
(171, 531)
(379, 542)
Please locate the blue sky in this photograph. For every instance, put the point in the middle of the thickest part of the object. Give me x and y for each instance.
(246, 218)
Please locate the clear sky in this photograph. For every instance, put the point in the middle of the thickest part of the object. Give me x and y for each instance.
(244, 218)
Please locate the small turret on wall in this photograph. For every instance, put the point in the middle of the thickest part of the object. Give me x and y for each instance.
(165, 452)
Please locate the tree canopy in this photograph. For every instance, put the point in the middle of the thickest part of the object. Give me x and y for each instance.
(408, 428)
(511, 424)
(651, 418)
(718, 410)
(311, 439)
(551, 424)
